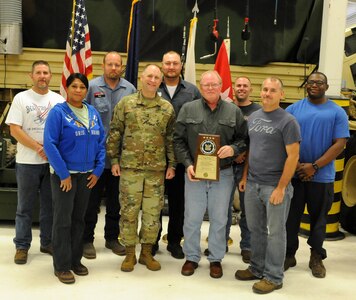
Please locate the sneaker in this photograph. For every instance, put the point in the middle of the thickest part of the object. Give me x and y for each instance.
(265, 286)
(21, 256)
(116, 247)
(65, 276)
(80, 270)
(289, 262)
(246, 256)
(176, 250)
(245, 275)
(47, 249)
(89, 251)
(316, 265)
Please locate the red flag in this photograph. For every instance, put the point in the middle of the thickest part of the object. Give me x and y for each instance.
(78, 58)
(223, 68)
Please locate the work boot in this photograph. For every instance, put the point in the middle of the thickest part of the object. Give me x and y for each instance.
(115, 247)
(47, 249)
(316, 265)
(89, 251)
(21, 256)
(80, 270)
(246, 256)
(176, 250)
(245, 275)
(265, 286)
(66, 277)
(130, 260)
(289, 262)
(147, 259)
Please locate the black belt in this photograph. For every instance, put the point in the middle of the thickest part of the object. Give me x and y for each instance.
(225, 167)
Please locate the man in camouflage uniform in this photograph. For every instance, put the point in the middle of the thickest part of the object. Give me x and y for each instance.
(139, 145)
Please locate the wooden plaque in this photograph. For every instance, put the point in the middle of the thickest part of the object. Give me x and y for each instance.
(207, 162)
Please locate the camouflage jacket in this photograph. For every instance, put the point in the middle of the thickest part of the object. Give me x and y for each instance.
(141, 133)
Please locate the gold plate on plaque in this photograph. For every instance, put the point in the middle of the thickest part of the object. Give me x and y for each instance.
(207, 162)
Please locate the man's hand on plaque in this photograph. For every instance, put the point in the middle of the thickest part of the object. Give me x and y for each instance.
(225, 151)
(191, 173)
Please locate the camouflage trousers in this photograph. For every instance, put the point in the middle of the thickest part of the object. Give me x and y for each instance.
(140, 189)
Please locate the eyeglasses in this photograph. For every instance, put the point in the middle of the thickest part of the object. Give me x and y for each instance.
(210, 85)
(317, 82)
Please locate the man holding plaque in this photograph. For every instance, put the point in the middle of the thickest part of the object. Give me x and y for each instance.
(274, 152)
(243, 90)
(209, 134)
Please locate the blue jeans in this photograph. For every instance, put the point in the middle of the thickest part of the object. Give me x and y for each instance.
(214, 195)
(68, 221)
(32, 179)
(267, 224)
(245, 233)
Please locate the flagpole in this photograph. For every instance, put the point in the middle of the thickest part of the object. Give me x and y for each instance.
(132, 62)
(189, 72)
(72, 29)
(130, 25)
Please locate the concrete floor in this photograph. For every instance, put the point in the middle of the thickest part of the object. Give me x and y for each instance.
(35, 280)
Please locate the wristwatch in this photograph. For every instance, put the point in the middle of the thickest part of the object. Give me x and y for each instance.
(315, 166)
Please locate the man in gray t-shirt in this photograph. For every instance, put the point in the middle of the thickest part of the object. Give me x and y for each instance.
(274, 152)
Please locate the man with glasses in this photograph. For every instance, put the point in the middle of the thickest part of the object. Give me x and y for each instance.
(324, 130)
(243, 90)
(208, 115)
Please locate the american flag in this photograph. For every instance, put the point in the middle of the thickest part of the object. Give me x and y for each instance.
(78, 57)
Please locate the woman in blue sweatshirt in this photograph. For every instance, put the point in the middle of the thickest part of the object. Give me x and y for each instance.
(74, 142)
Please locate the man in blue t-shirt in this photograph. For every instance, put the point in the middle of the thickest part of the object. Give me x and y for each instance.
(324, 129)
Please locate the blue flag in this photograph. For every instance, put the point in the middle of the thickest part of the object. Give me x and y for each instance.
(133, 38)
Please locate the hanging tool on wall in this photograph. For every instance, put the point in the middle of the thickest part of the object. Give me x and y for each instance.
(184, 46)
(227, 41)
(214, 35)
(245, 34)
(153, 16)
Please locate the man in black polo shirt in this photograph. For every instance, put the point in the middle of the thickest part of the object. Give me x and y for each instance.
(177, 91)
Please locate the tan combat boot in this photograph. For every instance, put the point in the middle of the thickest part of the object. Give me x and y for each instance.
(130, 260)
(147, 259)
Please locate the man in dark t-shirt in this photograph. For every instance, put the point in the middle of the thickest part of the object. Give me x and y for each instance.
(273, 155)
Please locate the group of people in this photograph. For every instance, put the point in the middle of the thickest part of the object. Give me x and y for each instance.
(133, 146)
